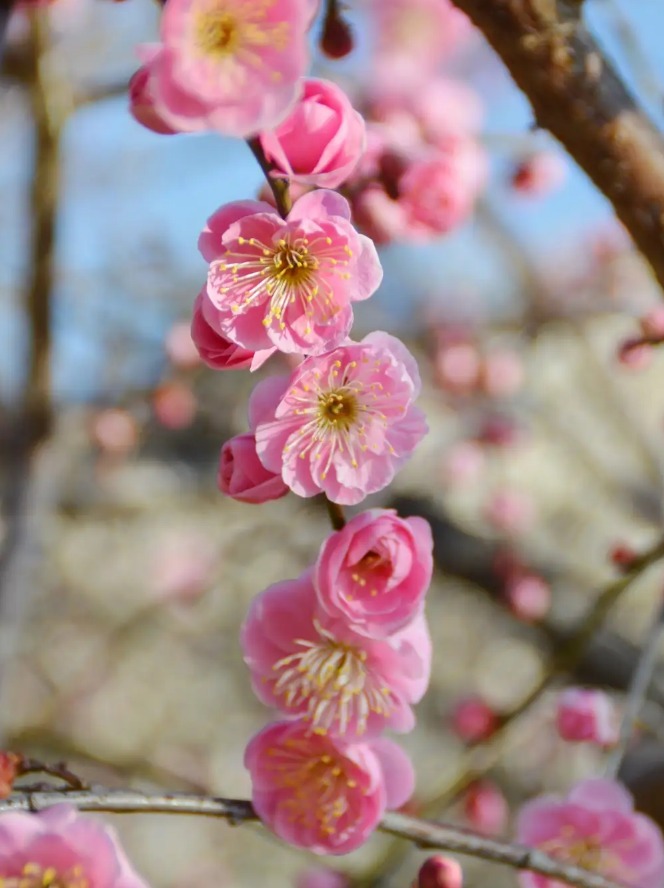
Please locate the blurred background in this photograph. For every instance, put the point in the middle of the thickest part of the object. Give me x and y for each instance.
(124, 575)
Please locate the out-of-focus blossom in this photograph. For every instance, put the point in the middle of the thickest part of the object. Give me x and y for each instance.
(243, 477)
(319, 877)
(181, 348)
(342, 423)
(10, 768)
(114, 431)
(539, 174)
(502, 373)
(182, 567)
(622, 556)
(323, 793)
(306, 663)
(485, 808)
(594, 827)
(586, 715)
(463, 463)
(375, 571)
(528, 596)
(439, 871)
(174, 405)
(509, 511)
(59, 846)
(322, 139)
(472, 719)
(635, 354)
(652, 324)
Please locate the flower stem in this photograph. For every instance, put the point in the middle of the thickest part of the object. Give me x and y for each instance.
(279, 186)
(336, 513)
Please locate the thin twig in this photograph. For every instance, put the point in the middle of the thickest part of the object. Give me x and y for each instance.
(424, 834)
(637, 691)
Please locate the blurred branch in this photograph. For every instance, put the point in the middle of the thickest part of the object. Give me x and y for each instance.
(236, 811)
(637, 691)
(577, 95)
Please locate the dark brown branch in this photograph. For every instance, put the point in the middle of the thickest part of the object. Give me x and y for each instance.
(577, 95)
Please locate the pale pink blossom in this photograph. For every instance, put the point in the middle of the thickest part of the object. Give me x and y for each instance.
(528, 597)
(180, 347)
(182, 567)
(59, 846)
(243, 477)
(322, 139)
(503, 373)
(375, 571)
(323, 793)
(230, 65)
(414, 36)
(472, 719)
(594, 827)
(510, 511)
(342, 423)
(463, 463)
(586, 715)
(439, 871)
(486, 808)
(215, 349)
(306, 663)
(115, 431)
(288, 283)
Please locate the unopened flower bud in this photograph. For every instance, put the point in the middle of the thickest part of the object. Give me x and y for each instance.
(439, 871)
(585, 715)
(473, 720)
(336, 40)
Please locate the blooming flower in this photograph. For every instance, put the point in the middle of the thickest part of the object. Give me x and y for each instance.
(597, 828)
(60, 847)
(323, 793)
(243, 477)
(287, 283)
(230, 65)
(585, 714)
(322, 139)
(217, 351)
(375, 572)
(342, 423)
(306, 663)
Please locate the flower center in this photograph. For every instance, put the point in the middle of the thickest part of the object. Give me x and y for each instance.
(335, 683)
(217, 34)
(584, 851)
(34, 875)
(337, 409)
(317, 785)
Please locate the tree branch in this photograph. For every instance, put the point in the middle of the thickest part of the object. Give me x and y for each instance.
(577, 95)
(424, 834)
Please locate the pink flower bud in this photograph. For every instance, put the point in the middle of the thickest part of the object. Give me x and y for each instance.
(622, 556)
(215, 349)
(586, 715)
(243, 477)
(539, 174)
(114, 431)
(473, 720)
(635, 354)
(141, 96)
(440, 872)
(528, 597)
(485, 808)
(457, 367)
(322, 140)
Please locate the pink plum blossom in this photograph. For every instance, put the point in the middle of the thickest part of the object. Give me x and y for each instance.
(323, 793)
(322, 139)
(181, 348)
(306, 663)
(215, 349)
(342, 423)
(243, 477)
(375, 571)
(230, 65)
(595, 827)
(439, 871)
(59, 846)
(486, 808)
(586, 715)
(288, 283)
